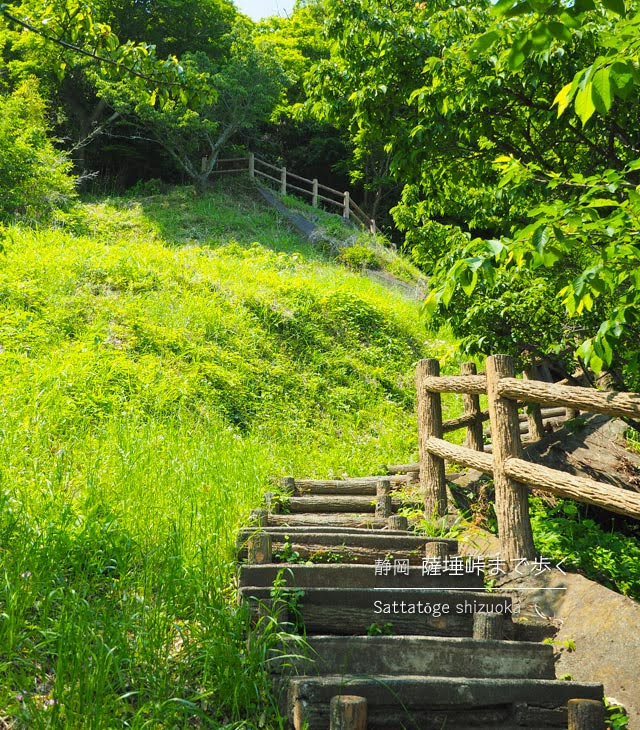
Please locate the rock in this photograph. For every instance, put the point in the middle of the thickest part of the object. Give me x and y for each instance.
(603, 625)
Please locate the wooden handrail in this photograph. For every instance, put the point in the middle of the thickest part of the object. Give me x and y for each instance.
(266, 164)
(510, 470)
(350, 210)
(537, 476)
(456, 384)
(586, 399)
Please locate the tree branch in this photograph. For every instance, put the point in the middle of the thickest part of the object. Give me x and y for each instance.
(88, 54)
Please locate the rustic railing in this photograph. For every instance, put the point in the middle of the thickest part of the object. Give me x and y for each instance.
(512, 474)
(257, 167)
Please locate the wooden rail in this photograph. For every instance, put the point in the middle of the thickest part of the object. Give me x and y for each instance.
(512, 474)
(340, 199)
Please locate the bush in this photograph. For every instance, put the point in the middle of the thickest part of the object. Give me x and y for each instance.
(359, 257)
(611, 558)
(35, 178)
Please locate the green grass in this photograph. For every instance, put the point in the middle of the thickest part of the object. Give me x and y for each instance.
(162, 361)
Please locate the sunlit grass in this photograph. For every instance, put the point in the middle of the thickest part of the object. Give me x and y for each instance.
(162, 361)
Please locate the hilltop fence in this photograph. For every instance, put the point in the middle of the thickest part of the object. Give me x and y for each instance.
(512, 474)
(259, 168)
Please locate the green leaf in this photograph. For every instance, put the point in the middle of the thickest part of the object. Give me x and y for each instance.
(468, 281)
(502, 6)
(584, 104)
(616, 6)
(540, 238)
(601, 90)
(581, 6)
(541, 37)
(519, 52)
(560, 31)
(484, 42)
(595, 363)
(622, 78)
(566, 94)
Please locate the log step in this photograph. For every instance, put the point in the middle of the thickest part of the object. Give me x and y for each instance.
(345, 487)
(337, 503)
(431, 703)
(357, 611)
(346, 545)
(419, 655)
(349, 576)
(324, 519)
(329, 530)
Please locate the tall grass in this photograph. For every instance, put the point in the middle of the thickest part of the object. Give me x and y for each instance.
(162, 360)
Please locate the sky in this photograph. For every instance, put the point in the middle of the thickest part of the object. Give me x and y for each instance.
(257, 9)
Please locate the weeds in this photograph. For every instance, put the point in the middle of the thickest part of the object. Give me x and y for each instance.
(157, 368)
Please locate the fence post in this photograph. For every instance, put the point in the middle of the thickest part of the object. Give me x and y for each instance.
(252, 165)
(314, 193)
(397, 522)
(472, 408)
(372, 227)
(534, 412)
(259, 549)
(346, 211)
(383, 498)
(586, 715)
(488, 625)
(432, 475)
(203, 164)
(348, 712)
(511, 501)
(283, 181)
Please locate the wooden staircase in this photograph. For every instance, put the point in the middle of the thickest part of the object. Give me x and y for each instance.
(446, 660)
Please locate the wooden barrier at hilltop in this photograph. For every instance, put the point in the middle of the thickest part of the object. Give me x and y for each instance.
(512, 474)
(257, 167)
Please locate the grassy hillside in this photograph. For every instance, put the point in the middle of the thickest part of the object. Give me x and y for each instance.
(161, 359)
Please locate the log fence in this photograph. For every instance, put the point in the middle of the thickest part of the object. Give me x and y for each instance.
(513, 475)
(259, 168)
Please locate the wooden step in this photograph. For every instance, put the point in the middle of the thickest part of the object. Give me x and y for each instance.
(324, 519)
(343, 544)
(328, 530)
(337, 503)
(401, 611)
(344, 487)
(432, 703)
(349, 576)
(418, 655)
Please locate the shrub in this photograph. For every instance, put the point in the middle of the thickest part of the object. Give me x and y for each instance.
(359, 257)
(35, 178)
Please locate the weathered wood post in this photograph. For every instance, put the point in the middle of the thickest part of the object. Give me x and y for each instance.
(383, 498)
(488, 625)
(438, 549)
(432, 474)
(259, 517)
(372, 227)
(397, 522)
(346, 211)
(348, 712)
(271, 503)
(252, 165)
(472, 408)
(204, 161)
(511, 501)
(534, 412)
(259, 548)
(288, 485)
(586, 715)
(314, 193)
(283, 181)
